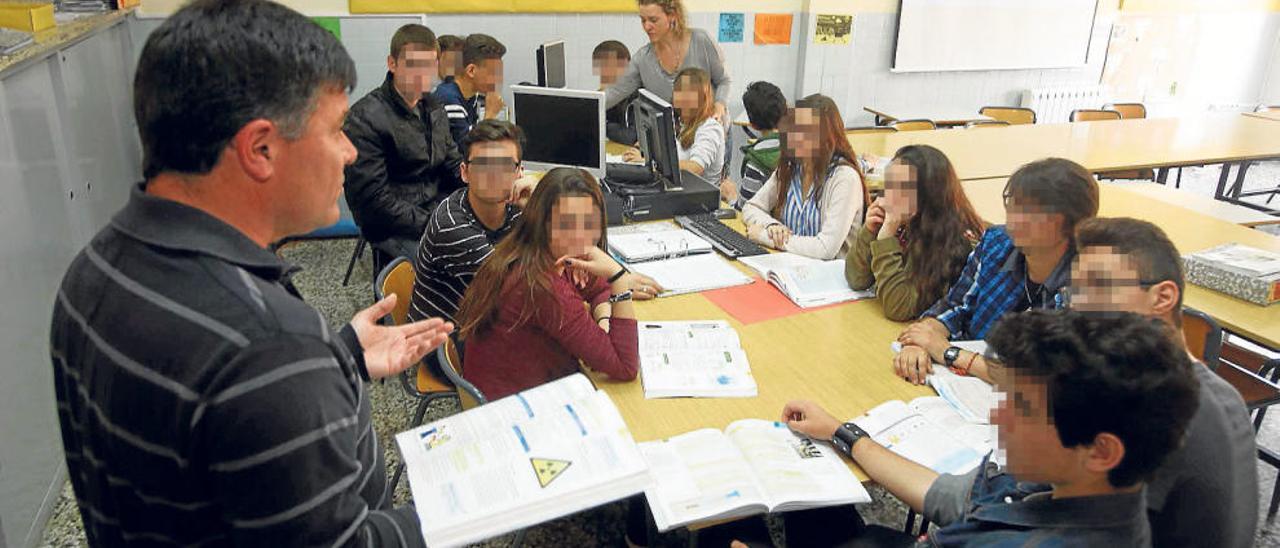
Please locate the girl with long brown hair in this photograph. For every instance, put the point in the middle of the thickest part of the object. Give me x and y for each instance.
(523, 317)
(917, 237)
(814, 203)
(700, 140)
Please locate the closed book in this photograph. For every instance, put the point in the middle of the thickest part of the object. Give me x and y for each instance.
(1240, 271)
(26, 16)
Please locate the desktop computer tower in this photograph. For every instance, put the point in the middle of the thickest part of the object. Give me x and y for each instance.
(696, 195)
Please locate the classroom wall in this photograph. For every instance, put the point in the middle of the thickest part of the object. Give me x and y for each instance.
(1271, 85)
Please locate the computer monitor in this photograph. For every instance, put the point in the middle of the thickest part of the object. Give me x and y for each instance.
(656, 127)
(550, 57)
(562, 127)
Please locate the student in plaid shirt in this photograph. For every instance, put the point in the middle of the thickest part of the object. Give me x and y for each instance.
(1021, 265)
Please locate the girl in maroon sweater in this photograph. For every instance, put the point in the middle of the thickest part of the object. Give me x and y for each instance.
(525, 321)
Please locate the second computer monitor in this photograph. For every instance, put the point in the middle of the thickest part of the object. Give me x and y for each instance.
(656, 127)
(562, 127)
(551, 61)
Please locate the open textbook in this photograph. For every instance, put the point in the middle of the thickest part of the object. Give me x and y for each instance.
(648, 246)
(753, 466)
(535, 456)
(972, 397)
(701, 359)
(691, 274)
(930, 432)
(807, 282)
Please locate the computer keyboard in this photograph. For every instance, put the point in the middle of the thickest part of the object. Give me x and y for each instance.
(724, 239)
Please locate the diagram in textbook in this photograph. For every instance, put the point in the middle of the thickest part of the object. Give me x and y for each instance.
(548, 469)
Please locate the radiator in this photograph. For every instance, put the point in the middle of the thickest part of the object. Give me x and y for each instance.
(1055, 104)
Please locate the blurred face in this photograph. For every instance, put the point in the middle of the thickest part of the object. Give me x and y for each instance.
(1032, 226)
(491, 171)
(1103, 280)
(487, 75)
(900, 189)
(686, 97)
(415, 70)
(1025, 432)
(575, 226)
(655, 22)
(609, 68)
(308, 171)
(802, 130)
(450, 63)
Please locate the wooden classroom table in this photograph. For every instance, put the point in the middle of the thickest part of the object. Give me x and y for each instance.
(1273, 115)
(1190, 232)
(1201, 204)
(838, 357)
(1110, 145)
(940, 118)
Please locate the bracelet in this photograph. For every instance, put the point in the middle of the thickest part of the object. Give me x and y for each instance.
(621, 272)
(603, 318)
(969, 365)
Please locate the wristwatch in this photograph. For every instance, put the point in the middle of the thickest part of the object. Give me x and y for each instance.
(949, 356)
(847, 435)
(624, 296)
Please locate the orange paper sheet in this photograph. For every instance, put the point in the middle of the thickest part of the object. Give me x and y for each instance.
(756, 302)
(773, 28)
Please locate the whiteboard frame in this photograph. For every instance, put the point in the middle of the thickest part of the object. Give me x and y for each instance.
(897, 30)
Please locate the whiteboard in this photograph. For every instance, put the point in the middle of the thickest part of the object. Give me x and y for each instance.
(953, 35)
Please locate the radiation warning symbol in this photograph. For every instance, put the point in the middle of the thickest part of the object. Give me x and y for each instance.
(548, 469)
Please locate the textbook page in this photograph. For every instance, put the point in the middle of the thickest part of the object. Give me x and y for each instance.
(795, 472)
(495, 468)
(906, 432)
(693, 359)
(981, 437)
(697, 476)
(692, 274)
(657, 245)
(764, 264)
(816, 284)
(971, 397)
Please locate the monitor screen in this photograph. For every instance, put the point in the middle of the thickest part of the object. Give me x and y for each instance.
(562, 127)
(655, 126)
(551, 68)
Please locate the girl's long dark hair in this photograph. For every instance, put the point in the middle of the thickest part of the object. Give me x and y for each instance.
(941, 232)
(524, 256)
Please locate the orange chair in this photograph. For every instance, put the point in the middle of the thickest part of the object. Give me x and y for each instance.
(1128, 110)
(1255, 377)
(1204, 336)
(1093, 115)
(913, 125)
(979, 124)
(1013, 115)
(869, 130)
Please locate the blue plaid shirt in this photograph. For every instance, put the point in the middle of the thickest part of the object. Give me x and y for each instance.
(994, 282)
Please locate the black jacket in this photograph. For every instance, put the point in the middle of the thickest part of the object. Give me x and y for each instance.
(407, 163)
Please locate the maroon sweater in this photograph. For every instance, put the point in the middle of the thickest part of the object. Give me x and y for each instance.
(506, 358)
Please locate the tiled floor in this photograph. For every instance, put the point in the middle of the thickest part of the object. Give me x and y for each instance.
(324, 264)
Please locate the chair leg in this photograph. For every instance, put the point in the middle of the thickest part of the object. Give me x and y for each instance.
(355, 256)
(1177, 183)
(1275, 499)
(417, 420)
(911, 521)
(519, 539)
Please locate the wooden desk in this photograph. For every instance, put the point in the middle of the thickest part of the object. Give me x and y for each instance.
(1200, 204)
(1190, 232)
(940, 117)
(1273, 115)
(837, 356)
(1111, 145)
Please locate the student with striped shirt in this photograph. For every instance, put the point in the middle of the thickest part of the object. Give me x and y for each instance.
(201, 401)
(814, 203)
(474, 93)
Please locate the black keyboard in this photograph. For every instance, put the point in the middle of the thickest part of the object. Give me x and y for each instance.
(724, 239)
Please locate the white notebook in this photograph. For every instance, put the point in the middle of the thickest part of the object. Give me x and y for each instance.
(538, 455)
(930, 432)
(692, 274)
(807, 282)
(753, 466)
(648, 246)
(701, 359)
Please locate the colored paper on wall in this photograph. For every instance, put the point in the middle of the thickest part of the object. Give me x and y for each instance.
(773, 28)
(833, 29)
(731, 27)
(331, 24)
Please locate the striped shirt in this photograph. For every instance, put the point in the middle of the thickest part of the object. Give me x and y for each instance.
(202, 402)
(801, 214)
(463, 112)
(452, 249)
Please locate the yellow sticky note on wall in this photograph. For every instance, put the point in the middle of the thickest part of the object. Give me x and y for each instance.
(773, 28)
(26, 16)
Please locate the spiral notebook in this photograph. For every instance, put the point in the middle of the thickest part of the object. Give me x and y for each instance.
(650, 246)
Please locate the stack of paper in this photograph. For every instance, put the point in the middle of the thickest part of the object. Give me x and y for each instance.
(807, 282)
(538, 455)
(692, 274)
(695, 360)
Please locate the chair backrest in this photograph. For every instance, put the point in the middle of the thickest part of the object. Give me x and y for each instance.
(1250, 373)
(1013, 115)
(976, 124)
(397, 278)
(1093, 115)
(1204, 336)
(869, 129)
(913, 125)
(450, 357)
(1128, 110)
